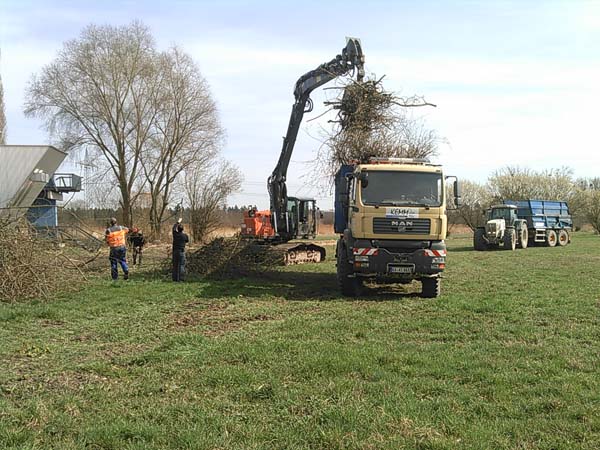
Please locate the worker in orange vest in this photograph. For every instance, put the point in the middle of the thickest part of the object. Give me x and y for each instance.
(116, 240)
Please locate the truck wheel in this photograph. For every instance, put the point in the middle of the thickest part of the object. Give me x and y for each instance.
(479, 242)
(551, 238)
(563, 238)
(523, 238)
(431, 287)
(510, 239)
(350, 287)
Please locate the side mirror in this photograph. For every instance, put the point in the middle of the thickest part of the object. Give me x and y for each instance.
(364, 179)
(457, 198)
(456, 189)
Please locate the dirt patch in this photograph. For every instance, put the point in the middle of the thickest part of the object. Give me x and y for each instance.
(454, 229)
(326, 230)
(218, 319)
(219, 328)
(51, 323)
(198, 317)
(74, 380)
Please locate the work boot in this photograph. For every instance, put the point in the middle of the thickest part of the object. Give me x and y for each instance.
(126, 276)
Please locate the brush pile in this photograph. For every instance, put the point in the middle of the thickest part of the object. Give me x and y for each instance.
(372, 122)
(232, 257)
(32, 266)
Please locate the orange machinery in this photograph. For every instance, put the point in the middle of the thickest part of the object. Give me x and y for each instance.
(257, 224)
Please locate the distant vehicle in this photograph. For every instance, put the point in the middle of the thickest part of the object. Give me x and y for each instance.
(523, 223)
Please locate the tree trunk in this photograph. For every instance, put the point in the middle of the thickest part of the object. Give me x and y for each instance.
(127, 207)
(155, 225)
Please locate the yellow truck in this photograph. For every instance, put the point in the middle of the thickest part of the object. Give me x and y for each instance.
(390, 214)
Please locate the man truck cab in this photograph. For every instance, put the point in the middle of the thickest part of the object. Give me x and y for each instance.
(391, 217)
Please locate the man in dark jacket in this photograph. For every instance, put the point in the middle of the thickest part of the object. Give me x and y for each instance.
(179, 241)
(136, 241)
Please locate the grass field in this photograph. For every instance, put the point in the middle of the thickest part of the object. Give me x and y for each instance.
(508, 357)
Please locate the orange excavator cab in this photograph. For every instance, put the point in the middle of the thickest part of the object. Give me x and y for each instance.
(257, 224)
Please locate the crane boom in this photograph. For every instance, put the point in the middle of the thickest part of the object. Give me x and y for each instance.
(351, 58)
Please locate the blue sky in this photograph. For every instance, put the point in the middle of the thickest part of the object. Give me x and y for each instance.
(515, 82)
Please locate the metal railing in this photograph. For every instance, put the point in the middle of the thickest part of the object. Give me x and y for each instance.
(64, 182)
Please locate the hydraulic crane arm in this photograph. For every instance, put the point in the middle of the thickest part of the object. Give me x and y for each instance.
(351, 58)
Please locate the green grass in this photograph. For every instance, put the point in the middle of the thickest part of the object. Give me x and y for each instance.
(508, 357)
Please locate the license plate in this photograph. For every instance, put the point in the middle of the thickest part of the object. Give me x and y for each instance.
(401, 269)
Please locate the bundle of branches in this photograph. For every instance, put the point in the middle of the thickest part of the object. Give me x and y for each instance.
(234, 256)
(373, 123)
(32, 266)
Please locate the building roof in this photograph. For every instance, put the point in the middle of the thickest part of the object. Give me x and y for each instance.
(24, 171)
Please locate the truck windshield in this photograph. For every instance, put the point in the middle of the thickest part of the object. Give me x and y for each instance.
(402, 188)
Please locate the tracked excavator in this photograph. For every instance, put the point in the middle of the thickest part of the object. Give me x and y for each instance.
(292, 218)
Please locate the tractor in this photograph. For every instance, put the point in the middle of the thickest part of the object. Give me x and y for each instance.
(503, 227)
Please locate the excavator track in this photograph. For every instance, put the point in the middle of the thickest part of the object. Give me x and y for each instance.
(292, 253)
(298, 253)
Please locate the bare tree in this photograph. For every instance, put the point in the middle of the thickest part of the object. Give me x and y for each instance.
(517, 183)
(588, 183)
(587, 207)
(475, 199)
(186, 130)
(99, 93)
(585, 204)
(593, 210)
(2, 115)
(206, 192)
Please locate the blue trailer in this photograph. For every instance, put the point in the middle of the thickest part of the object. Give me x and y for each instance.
(548, 222)
(521, 223)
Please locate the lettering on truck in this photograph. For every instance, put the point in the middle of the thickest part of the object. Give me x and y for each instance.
(401, 213)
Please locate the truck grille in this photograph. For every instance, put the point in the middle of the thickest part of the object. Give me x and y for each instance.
(385, 225)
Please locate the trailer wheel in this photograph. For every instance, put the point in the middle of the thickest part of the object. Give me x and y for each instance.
(479, 242)
(563, 238)
(524, 238)
(350, 286)
(431, 287)
(551, 238)
(510, 239)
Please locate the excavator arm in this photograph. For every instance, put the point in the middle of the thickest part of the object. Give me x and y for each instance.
(351, 58)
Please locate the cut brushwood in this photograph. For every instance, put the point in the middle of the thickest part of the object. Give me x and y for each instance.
(372, 122)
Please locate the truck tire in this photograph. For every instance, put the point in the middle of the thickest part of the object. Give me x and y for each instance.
(350, 286)
(563, 238)
(510, 239)
(551, 238)
(523, 238)
(431, 287)
(479, 242)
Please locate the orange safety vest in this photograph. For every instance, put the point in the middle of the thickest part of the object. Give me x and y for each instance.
(115, 236)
